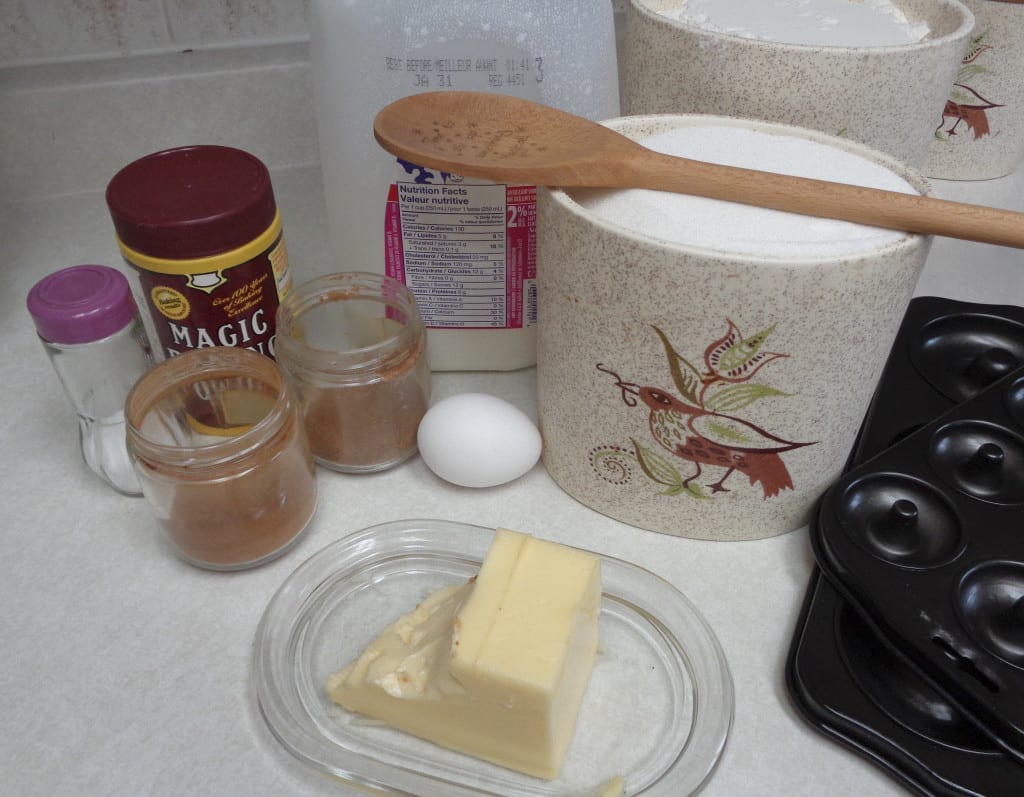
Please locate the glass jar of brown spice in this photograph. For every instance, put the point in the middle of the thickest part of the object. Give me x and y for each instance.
(355, 349)
(222, 456)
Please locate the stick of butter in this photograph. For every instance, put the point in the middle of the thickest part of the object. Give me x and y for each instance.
(496, 667)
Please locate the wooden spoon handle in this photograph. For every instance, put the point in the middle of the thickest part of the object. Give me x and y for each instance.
(872, 206)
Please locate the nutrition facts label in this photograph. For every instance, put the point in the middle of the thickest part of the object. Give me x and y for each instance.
(467, 252)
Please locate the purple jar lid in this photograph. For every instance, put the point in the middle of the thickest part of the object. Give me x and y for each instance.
(80, 304)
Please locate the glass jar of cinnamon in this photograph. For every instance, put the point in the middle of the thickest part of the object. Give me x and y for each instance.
(222, 456)
(355, 349)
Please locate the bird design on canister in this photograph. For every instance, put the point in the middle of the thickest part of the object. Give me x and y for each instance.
(966, 105)
(699, 425)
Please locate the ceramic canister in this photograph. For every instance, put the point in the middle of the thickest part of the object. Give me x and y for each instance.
(700, 393)
(886, 97)
(979, 134)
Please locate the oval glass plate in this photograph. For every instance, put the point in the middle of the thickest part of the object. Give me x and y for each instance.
(657, 711)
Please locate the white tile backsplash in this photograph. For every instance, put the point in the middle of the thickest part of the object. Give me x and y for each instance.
(33, 31)
(45, 30)
(41, 30)
(68, 127)
(86, 86)
(200, 22)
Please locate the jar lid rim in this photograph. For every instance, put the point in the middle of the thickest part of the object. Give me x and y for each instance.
(191, 202)
(408, 340)
(189, 369)
(81, 304)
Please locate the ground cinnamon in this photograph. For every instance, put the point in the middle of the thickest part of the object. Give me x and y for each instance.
(354, 348)
(370, 426)
(222, 456)
(248, 519)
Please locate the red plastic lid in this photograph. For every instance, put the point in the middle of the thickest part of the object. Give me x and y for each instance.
(191, 202)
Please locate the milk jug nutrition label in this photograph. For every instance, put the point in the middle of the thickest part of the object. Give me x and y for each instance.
(466, 251)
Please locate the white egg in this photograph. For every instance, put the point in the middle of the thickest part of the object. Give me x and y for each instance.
(478, 440)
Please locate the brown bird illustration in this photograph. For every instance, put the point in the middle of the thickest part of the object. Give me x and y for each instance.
(710, 438)
(699, 428)
(704, 437)
(972, 108)
(973, 115)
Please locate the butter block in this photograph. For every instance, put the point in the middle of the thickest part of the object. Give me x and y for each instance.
(491, 586)
(497, 667)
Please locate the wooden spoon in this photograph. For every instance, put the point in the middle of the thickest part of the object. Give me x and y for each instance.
(506, 139)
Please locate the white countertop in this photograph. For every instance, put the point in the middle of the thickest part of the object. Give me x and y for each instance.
(128, 672)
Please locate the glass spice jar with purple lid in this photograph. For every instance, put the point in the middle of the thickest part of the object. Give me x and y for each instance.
(89, 326)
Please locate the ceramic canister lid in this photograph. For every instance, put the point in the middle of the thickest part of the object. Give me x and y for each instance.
(191, 202)
(80, 304)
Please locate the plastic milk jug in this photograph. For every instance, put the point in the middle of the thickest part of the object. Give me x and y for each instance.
(466, 248)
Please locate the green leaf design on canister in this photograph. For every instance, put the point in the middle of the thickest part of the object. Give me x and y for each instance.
(737, 396)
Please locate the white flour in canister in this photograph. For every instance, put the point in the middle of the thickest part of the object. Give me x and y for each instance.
(744, 229)
(833, 23)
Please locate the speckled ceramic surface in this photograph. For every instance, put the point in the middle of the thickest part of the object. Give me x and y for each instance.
(782, 353)
(981, 133)
(886, 97)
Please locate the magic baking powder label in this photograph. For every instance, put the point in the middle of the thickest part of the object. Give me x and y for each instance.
(467, 250)
(193, 307)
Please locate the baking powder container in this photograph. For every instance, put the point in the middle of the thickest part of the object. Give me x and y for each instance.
(355, 350)
(200, 228)
(222, 456)
(90, 329)
(701, 390)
